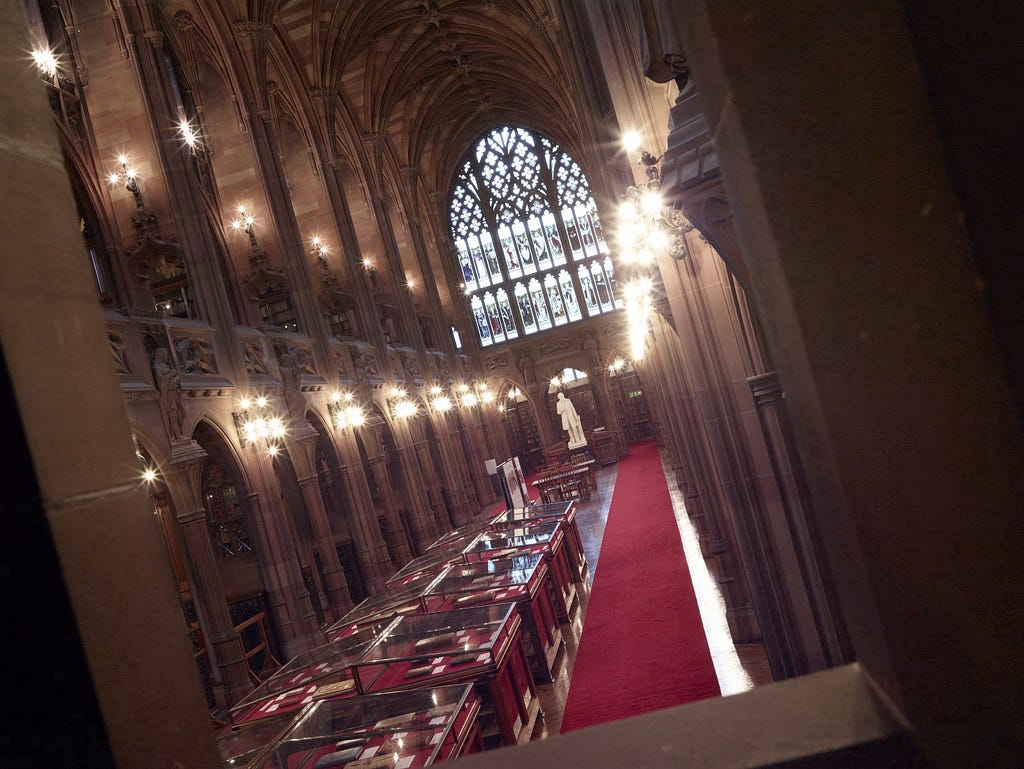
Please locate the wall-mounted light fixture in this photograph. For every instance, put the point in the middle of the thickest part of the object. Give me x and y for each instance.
(259, 425)
(344, 410)
(318, 248)
(189, 135)
(616, 366)
(246, 222)
(127, 176)
(646, 225)
(440, 402)
(46, 62)
(402, 407)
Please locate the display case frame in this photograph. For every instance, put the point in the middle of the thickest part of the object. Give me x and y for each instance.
(565, 511)
(407, 729)
(324, 671)
(522, 579)
(482, 644)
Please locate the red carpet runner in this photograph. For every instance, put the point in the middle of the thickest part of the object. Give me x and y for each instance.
(643, 646)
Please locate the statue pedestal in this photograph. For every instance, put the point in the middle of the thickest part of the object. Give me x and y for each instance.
(581, 451)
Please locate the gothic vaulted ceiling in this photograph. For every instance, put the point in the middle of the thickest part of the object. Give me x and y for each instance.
(395, 90)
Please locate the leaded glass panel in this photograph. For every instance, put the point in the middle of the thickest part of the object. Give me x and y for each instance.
(521, 209)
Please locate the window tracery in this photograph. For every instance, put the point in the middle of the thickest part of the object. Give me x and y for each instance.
(521, 212)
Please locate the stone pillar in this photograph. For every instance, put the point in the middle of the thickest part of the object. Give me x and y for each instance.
(878, 324)
(396, 527)
(458, 499)
(230, 670)
(424, 529)
(301, 443)
(373, 550)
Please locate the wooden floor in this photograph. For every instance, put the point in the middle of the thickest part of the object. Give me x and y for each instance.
(739, 667)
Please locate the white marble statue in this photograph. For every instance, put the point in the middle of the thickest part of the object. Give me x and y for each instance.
(571, 422)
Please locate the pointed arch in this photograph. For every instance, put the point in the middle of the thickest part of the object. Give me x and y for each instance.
(527, 237)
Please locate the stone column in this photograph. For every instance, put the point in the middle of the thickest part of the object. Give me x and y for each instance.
(458, 499)
(396, 527)
(230, 670)
(301, 443)
(373, 550)
(442, 519)
(424, 529)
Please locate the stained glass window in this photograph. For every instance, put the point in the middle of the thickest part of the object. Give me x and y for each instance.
(521, 212)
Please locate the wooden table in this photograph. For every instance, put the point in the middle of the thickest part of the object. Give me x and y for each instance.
(550, 483)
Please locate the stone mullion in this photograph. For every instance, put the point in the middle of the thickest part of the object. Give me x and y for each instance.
(606, 403)
(286, 587)
(718, 474)
(664, 373)
(433, 299)
(303, 440)
(497, 434)
(231, 672)
(289, 237)
(396, 527)
(335, 584)
(411, 336)
(373, 548)
(459, 452)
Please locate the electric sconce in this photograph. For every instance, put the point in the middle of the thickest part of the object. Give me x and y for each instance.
(246, 222)
(46, 63)
(190, 136)
(401, 406)
(127, 176)
(259, 425)
(439, 401)
(318, 248)
(345, 411)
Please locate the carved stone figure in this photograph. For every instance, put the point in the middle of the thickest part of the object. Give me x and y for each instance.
(293, 396)
(571, 421)
(593, 350)
(526, 368)
(168, 389)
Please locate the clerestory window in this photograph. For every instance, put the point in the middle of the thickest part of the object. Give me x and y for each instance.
(530, 246)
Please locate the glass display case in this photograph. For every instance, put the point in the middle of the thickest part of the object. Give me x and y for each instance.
(482, 644)
(564, 511)
(239, 746)
(522, 579)
(464, 531)
(324, 671)
(411, 597)
(396, 730)
(546, 537)
(431, 561)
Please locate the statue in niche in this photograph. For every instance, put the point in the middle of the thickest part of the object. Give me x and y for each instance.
(293, 397)
(168, 389)
(593, 350)
(571, 422)
(526, 369)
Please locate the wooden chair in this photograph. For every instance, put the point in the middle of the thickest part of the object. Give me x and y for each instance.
(550, 492)
(573, 489)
